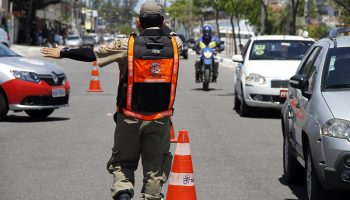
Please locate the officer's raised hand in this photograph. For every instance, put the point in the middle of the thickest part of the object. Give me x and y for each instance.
(51, 52)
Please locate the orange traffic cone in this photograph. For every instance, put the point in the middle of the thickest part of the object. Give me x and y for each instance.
(181, 180)
(172, 133)
(94, 82)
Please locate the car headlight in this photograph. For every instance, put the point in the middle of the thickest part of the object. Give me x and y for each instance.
(208, 54)
(26, 76)
(255, 78)
(337, 128)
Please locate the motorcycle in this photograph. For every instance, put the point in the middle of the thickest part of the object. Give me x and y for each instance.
(206, 72)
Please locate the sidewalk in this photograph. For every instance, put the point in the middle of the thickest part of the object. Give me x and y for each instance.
(25, 50)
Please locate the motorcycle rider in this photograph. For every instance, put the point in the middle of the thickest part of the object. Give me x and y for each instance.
(207, 40)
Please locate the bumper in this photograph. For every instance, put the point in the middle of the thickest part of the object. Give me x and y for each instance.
(336, 151)
(264, 96)
(24, 95)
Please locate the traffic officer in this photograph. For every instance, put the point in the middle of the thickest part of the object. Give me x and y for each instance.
(148, 66)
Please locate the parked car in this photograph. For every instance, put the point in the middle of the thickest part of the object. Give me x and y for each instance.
(263, 71)
(74, 41)
(4, 37)
(184, 52)
(316, 118)
(96, 37)
(88, 41)
(29, 85)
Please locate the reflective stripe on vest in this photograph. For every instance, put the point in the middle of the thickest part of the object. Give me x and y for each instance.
(131, 79)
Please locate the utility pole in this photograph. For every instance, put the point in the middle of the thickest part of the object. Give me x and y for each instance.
(306, 12)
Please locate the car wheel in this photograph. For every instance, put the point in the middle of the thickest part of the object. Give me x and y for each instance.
(3, 107)
(293, 171)
(314, 189)
(244, 109)
(39, 114)
(237, 102)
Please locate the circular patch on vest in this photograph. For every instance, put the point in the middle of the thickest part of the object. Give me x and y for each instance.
(155, 68)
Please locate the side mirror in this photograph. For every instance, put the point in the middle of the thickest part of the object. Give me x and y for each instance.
(237, 58)
(298, 81)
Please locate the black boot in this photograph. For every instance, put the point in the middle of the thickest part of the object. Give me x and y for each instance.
(197, 78)
(214, 79)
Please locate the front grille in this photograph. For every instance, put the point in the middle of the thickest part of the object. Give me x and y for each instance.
(50, 81)
(279, 83)
(268, 98)
(45, 101)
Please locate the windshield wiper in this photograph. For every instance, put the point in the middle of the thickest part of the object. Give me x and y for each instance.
(338, 86)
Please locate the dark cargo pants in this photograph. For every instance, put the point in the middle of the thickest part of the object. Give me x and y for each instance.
(150, 140)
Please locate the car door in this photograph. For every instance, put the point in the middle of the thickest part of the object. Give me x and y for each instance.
(238, 70)
(299, 100)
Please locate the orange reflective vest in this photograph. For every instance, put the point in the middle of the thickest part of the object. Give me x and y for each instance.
(148, 90)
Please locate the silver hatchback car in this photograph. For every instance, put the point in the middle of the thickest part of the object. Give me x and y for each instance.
(316, 118)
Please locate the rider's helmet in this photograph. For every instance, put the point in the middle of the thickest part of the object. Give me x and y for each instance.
(207, 31)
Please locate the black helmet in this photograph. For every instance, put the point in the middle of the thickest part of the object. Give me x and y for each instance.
(207, 31)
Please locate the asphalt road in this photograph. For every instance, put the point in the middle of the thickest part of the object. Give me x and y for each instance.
(64, 157)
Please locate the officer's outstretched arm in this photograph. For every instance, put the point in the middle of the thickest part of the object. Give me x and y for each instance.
(80, 54)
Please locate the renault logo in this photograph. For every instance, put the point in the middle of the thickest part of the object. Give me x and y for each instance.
(55, 78)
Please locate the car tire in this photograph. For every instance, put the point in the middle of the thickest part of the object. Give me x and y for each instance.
(314, 189)
(3, 107)
(185, 57)
(39, 114)
(237, 102)
(244, 109)
(293, 171)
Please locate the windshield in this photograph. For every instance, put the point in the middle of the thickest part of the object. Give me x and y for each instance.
(337, 69)
(73, 38)
(279, 49)
(6, 52)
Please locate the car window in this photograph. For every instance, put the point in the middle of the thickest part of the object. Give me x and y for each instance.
(279, 49)
(306, 66)
(6, 52)
(337, 69)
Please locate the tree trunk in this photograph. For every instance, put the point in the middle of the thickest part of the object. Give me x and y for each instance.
(217, 22)
(295, 5)
(28, 21)
(266, 22)
(239, 31)
(233, 34)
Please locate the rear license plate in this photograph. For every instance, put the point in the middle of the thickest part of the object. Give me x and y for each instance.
(283, 93)
(58, 92)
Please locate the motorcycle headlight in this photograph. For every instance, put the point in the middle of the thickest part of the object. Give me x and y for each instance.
(337, 128)
(208, 54)
(255, 78)
(26, 76)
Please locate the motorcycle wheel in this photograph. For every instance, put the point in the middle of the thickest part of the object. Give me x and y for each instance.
(206, 80)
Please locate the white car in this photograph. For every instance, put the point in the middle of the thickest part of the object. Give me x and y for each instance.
(74, 41)
(264, 68)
